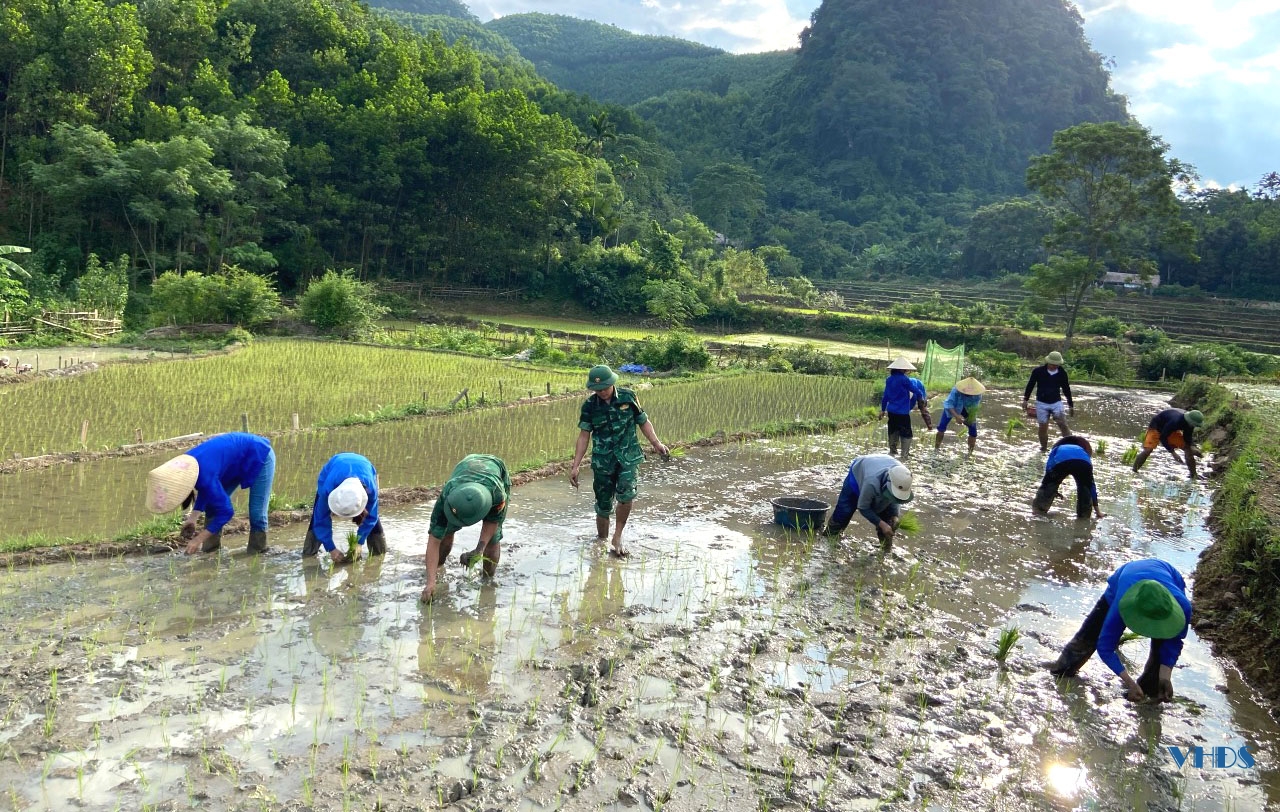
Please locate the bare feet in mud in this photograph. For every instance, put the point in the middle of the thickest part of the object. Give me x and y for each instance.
(617, 550)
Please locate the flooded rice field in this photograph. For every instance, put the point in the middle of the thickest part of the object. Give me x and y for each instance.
(727, 664)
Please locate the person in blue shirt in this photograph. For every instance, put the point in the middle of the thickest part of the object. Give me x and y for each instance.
(204, 478)
(1149, 597)
(961, 404)
(901, 394)
(347, 488)
(1072, 456)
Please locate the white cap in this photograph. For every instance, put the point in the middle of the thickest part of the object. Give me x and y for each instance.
(900, 483)
(348, 499)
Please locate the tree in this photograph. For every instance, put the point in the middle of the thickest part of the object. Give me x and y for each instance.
(728, 197)
(672, 301)
(1006, 237)
(339, 303)
(104, 288)
(1110, 188)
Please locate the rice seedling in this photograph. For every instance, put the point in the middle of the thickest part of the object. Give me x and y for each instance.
(51, 706)
(1012, 426)
(1008, 638)
(908, 523)
(1130, 455)
(1100, 449)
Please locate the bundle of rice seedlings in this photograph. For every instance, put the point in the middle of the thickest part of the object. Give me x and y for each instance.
(908, 523)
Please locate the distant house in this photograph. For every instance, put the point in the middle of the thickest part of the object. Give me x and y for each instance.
(1129, 281)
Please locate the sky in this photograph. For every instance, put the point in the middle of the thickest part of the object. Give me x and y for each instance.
(1204, 75)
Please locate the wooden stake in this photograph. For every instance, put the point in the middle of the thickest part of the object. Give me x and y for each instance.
(295, 421)
(244, 421)
(137, 435)
(84, 432)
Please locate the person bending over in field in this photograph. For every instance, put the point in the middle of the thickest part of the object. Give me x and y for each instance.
(1149, 597)
(347, 489)
(875, 486)
(203, 479)
(608, 421)
(962, 405)
(1172, 429)
(1072, 456)
(478, 490)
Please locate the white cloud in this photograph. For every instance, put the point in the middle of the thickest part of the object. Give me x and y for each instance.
(740, 26)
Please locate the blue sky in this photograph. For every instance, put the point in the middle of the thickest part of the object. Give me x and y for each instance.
(1202, 74)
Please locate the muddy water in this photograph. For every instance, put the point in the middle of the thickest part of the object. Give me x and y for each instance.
(726, 664)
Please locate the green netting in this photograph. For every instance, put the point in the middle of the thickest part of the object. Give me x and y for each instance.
(942, 367)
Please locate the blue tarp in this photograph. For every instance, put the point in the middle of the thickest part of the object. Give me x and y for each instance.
(634, 368)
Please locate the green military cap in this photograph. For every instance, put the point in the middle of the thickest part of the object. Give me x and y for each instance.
(469, 503)
(601, 377)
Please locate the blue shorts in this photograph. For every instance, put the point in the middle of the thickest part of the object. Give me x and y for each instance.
(946, 420)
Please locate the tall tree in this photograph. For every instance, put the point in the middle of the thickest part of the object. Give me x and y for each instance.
(1111, 190)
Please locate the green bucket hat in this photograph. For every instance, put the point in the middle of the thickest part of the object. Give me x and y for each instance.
(1054, 358)
(1149, 608)
(601, 377)
(469, 503)
(1195, 417)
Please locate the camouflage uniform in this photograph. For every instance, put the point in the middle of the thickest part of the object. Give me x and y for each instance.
(615, 451)
(483, 469)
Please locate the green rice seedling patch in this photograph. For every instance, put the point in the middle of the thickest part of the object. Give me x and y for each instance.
(268, 382)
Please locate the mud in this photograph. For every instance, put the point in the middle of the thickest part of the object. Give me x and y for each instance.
(726, 665)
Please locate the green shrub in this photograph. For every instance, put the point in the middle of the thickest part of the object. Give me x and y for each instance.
(1101, 362)
(1204, 359)
(1148, 337)
(340, 304)
(234, 296)
(1109, 326)
(995, 364)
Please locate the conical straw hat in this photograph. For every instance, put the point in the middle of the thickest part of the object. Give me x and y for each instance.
(970, 386)
(170, 483)
(901, 362)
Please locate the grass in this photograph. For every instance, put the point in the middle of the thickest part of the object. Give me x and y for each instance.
(571, 326)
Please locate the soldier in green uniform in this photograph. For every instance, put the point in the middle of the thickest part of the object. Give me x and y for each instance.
(477, 491)
(609, 421)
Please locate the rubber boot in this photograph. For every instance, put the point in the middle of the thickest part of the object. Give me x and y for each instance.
(214, 543)
(893, 443)
(311, 546)
(1043, 499)
(377, 541)
(257, 541)
(1081, 647)
(937, 441)
(1149, 682)
(906, 447)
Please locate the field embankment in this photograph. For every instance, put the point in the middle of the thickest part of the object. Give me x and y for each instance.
(1237, 587)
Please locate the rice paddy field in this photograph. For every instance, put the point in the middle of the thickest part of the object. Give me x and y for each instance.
(728, 664)
(268, 381)
(420, 451)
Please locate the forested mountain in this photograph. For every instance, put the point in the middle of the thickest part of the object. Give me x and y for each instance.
(887, 129)
(613, 65)
(289, 136)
